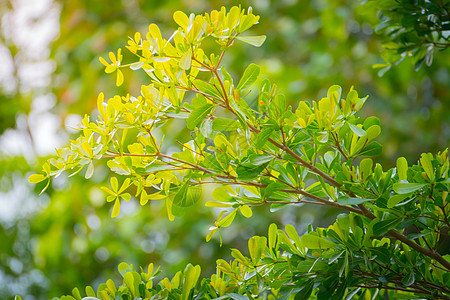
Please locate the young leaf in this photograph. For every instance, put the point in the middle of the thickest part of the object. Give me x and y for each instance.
(402, 168)
(186, 60)
(256, 41)
(116, 208)
(293, 235)
(227, 220)
(246, 211)
(181, 19)
(425, 161)
(35, 178)
(89, 170)
(272, 235)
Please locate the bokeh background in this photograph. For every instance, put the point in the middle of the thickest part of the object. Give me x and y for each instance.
(50, 77)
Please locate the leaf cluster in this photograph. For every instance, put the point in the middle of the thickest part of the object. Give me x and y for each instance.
(413, 28)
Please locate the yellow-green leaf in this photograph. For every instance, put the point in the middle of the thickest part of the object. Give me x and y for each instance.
(250, 76)
(425, 161)
(186, 60)
(116, 209)
(217, 204)
(402, 168)
(246, 211)
(119, 79)
(114, 184)
(293, 235)
(256, 41)
(35, 178)
(181, 19)
(104, 62)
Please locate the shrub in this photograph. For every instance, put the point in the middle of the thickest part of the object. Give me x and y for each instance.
(387, 243)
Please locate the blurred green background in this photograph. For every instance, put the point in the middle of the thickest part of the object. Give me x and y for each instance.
(50, 77)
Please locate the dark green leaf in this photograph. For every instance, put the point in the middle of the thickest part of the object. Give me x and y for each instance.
(384, 226)
(306, 291)
(352, 201)
(408, 279)
(372, 149)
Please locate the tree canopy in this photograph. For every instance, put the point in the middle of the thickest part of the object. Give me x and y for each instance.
(66, 239)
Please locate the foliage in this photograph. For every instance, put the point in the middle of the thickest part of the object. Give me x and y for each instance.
(262, 152)
(416, 28)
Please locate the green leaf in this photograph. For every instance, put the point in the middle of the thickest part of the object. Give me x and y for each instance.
(222, 124)
(315, 242)
(90, 291)
(187, 195)
(380, 228)
(272, 235)
(263, 136)
(124, 268)
(293, 235)
(425, 161)
(333, 90)
(225, 222)
(250, 76)
(198, 114)
(256, 246)
(207, 88)
(246, 173)
(396, 199)
(402, 168)
(406, 188)
(373, 149)
(358, 131)
(220, 194)
(258, 159)
(76, 293)
(256, 41)
(365, 168)
(409, 279)
(191, 275)
(352, 201)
